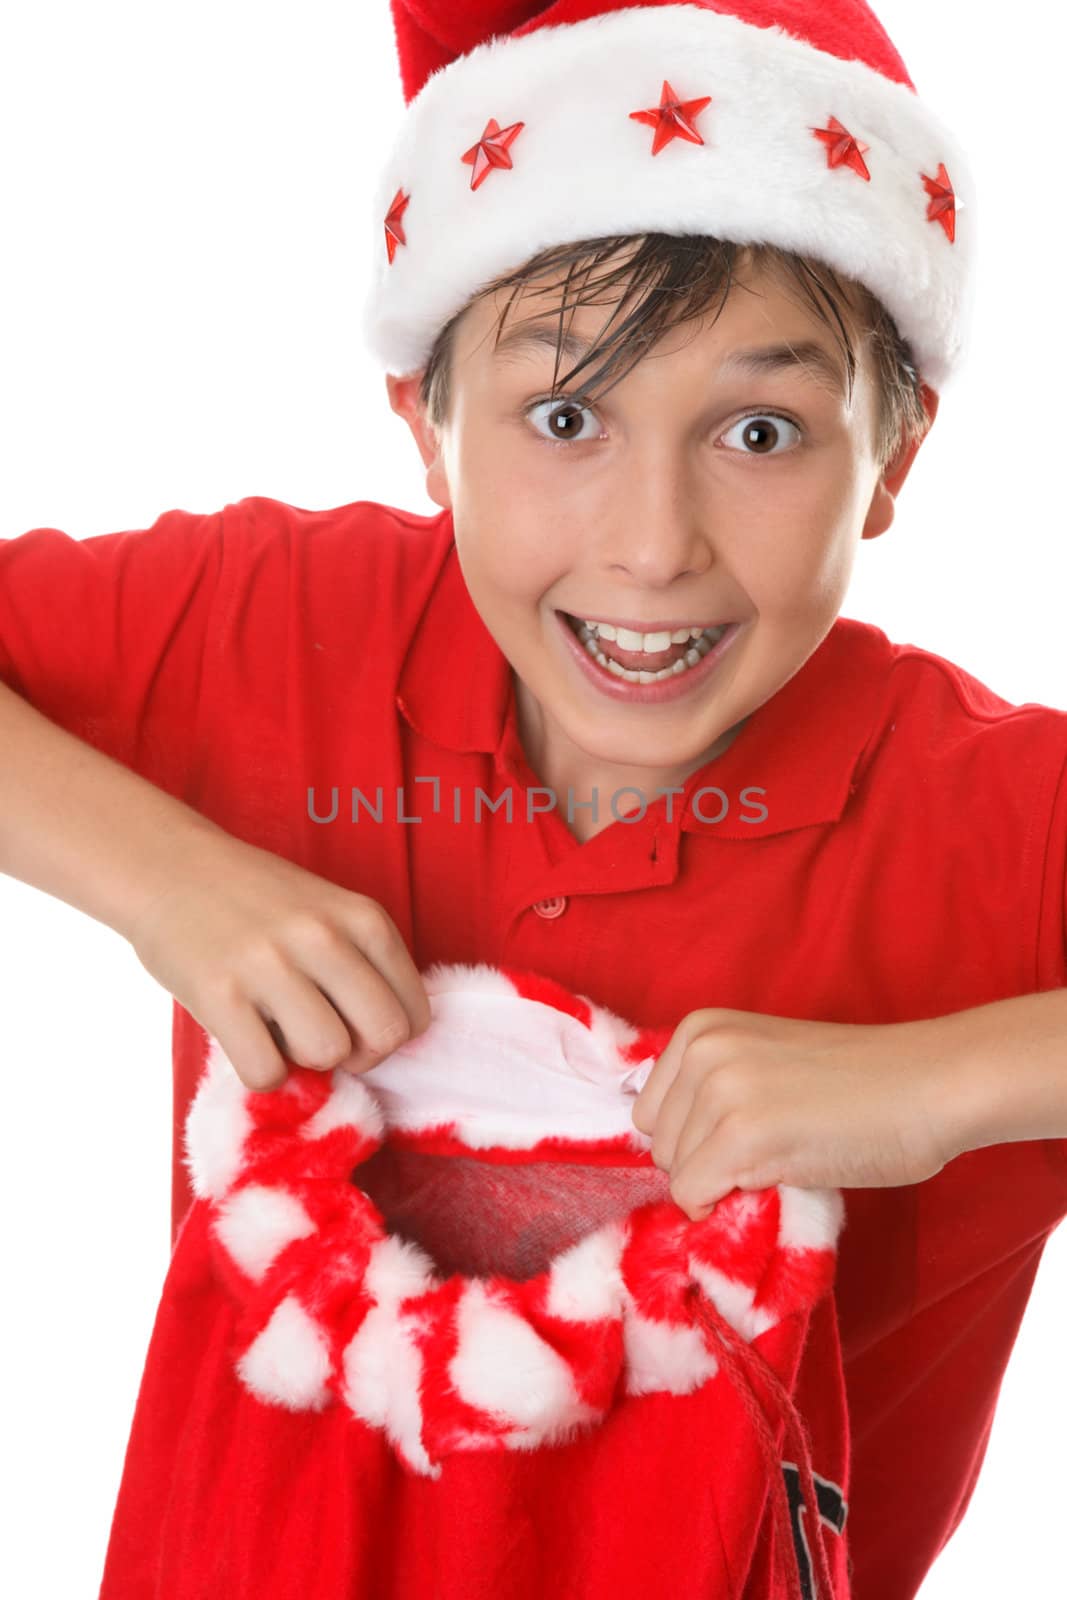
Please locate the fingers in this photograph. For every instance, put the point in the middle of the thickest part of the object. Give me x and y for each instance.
(281, 965)
(344, 1014)
(303, 1022)
(701, 1180)
(683, 1101)
(677, 1116)
(391, 1003)
(341, 991)
(250, 1047)
(646, 1108)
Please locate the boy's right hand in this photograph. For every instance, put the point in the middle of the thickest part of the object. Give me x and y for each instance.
(276, 961)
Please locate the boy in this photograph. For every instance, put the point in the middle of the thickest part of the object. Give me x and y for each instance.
(844, 1022)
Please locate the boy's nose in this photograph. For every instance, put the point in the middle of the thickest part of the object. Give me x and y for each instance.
(659, 531)
(656, 550)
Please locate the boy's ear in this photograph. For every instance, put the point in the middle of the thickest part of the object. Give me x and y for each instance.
(404, 399)
(883, 505)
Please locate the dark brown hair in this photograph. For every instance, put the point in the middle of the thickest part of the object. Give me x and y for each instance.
(675, 278)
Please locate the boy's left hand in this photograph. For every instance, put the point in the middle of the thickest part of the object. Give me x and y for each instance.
(742, 1100)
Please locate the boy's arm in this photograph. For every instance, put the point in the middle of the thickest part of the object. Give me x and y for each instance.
(739, 1099)
(79, 825)
(1012, 1057)
(1009, 1070)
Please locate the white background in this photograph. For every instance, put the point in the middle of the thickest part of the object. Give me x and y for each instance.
(184, 192)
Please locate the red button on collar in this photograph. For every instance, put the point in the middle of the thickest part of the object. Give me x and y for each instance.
(555, 907)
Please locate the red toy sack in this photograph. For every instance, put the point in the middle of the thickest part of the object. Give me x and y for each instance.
(439, 1330)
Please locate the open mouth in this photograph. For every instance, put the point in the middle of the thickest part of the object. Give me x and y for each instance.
(645, 658)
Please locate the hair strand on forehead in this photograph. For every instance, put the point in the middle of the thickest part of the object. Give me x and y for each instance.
(671, 279)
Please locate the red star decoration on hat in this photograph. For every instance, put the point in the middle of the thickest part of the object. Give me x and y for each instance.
(842, 148)
(394, 232)
(672, 118)
(944, 205)
(491, 150)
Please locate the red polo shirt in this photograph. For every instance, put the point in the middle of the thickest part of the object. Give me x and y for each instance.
(885, 839)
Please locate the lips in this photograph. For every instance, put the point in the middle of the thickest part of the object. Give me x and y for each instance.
(625, 688)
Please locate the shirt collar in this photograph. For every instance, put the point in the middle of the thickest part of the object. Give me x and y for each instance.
(796, 757)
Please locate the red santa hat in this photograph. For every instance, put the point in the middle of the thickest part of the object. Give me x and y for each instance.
(789, 122)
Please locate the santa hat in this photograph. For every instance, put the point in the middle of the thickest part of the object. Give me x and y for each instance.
(788, 122)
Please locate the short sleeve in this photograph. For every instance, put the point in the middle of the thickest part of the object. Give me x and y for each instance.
(108, 636)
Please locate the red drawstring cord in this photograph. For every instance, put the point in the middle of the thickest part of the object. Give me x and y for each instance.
(742, 1362)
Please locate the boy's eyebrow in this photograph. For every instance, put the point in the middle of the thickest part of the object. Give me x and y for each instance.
(756, 359)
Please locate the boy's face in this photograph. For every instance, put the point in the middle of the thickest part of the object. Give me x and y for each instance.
(693, 492)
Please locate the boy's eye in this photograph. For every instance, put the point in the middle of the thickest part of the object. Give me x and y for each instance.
(760, 432)
(566, 421)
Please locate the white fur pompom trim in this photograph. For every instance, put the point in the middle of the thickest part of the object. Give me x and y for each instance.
(338, 1309)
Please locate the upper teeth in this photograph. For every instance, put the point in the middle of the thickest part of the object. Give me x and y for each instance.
(626, 639)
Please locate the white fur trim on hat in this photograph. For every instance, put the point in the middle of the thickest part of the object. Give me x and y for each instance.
(582, 167)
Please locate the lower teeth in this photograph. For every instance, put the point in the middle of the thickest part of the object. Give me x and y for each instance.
(692, 658)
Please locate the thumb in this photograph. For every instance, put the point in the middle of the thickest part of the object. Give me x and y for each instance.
(645, 1108)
